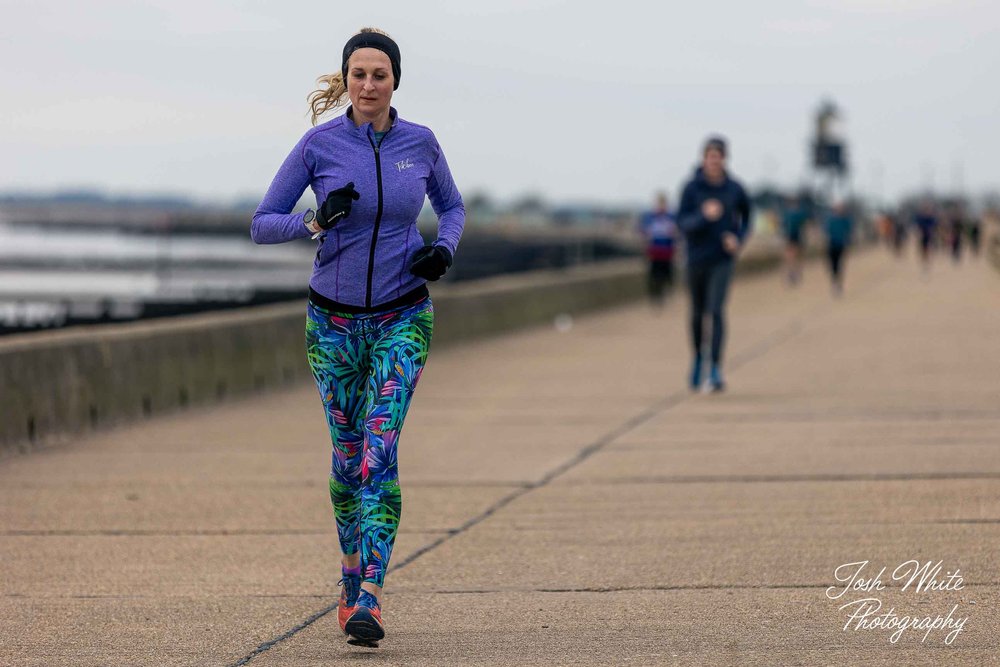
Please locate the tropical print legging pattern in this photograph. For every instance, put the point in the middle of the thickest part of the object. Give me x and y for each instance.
(366, 368)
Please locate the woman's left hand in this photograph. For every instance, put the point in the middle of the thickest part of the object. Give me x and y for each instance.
(431, 262)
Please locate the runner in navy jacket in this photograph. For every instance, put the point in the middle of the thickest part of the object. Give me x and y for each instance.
(714, 215)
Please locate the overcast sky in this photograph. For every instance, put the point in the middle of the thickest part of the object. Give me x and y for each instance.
(594, 101)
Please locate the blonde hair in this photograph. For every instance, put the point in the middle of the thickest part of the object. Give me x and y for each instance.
(332, 92)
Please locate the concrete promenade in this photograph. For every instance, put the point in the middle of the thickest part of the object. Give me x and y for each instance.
(566, 501)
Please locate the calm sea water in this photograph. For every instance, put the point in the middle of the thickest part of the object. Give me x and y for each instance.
(55, 277)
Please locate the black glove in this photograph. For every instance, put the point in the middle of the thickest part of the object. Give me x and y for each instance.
(337, 206)
(431, 262)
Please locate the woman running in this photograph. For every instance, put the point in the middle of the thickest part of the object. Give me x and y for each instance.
(369, 316)
(714, 215)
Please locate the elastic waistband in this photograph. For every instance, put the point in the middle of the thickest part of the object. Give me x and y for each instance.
(413, 296)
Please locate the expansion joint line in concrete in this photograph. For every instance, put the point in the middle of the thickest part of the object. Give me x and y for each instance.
(809, 478)
(755, 351)
(668, 588)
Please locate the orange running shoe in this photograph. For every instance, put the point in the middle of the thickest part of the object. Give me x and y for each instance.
(365, 625)
(350, 587)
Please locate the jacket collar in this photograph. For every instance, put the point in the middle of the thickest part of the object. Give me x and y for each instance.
(365, 129)
(699, 175)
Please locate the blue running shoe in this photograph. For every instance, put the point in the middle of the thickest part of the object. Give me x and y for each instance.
(715, 378)
(695, 381)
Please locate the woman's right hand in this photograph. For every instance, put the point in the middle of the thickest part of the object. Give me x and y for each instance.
(711, 209)
(337, 206)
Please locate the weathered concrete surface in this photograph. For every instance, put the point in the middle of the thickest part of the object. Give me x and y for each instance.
(137, 629)
(566, 500)
(696, 627)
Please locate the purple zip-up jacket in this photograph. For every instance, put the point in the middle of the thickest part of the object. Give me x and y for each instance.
(364, 260)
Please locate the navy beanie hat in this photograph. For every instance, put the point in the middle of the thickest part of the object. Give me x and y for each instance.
(715, 142)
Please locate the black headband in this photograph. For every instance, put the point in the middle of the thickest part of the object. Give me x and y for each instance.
(373, 40)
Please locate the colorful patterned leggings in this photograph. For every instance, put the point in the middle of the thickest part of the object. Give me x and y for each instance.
(366, 368)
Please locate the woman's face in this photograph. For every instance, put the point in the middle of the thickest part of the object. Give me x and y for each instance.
(713, 164)
(369, 81)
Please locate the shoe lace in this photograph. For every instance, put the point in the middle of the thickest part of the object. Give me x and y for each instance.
(352, 588)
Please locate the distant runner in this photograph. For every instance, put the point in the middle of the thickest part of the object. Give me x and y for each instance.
(660, 231)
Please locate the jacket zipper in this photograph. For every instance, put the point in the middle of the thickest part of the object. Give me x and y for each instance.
(378, 220)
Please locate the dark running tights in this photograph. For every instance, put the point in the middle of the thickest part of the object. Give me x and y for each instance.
(835, 254)
(708, 284)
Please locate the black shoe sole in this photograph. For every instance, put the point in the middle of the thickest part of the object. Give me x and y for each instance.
(366, 643)
(364, 631)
